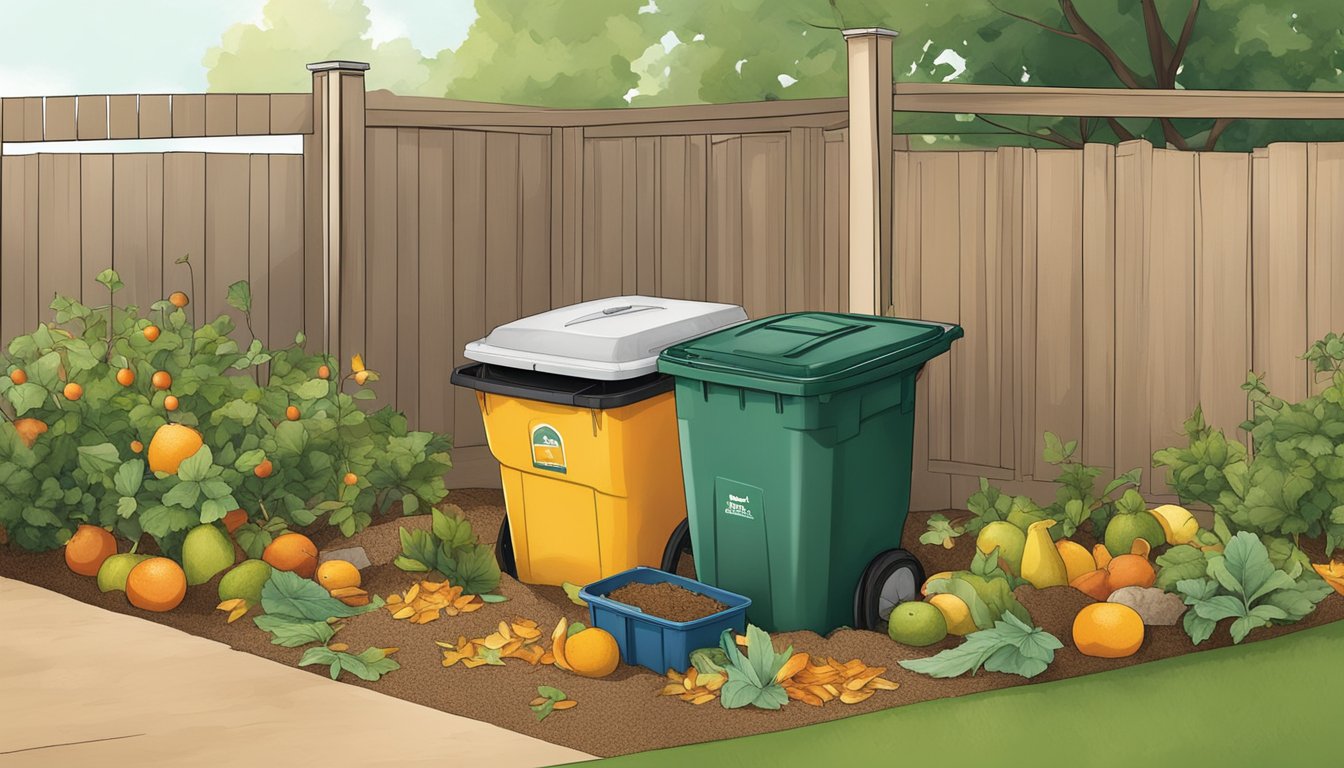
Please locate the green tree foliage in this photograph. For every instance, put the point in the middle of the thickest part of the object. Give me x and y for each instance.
(607, 53)
(271, 57)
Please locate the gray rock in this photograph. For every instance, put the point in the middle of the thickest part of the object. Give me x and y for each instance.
(1156, 607)
(356, 556)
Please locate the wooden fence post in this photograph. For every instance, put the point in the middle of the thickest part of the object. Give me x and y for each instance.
(337, 165)
(870, 168)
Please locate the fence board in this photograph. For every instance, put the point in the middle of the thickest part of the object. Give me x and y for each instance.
(1325, 247)
(469, 272)
(123, 117)
(764, 213)
(1284, 307)
(378, 296)
(95, 221)
(534, 189)
(724, 221)
(287, 280)
(131, 223)
(259, 246)
(59, 122)
(226, 243)
(221, 114)
(1223, 301)
(184, 223)
(58, 225)
(974, 422)
(1098, 305)
(155, 116)
(92, 117)
(437, 298)
(407, 300)
(648, 214)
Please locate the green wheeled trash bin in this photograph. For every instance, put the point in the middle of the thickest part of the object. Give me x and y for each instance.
(796, 436)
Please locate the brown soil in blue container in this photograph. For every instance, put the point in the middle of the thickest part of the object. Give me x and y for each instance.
(667, 601)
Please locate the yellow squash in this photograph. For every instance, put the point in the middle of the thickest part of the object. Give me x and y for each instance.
(1042, 564)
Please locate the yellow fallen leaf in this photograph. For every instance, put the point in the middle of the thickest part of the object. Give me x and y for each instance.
(565, 704)
(339, 647)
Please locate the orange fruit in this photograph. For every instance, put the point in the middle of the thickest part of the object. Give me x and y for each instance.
(335, 574)
(137, 446)
(151, 332)
(350, 478)
(1092, 584)
(361, 377)
(157, 584)
(1130, 571)
(18, 376)
(125, 377)
(88, 548)
(161, 380)
(170, 403)
(171, 445)
(292, 552)
(264, 469)
(323, 372)
(292, 413)
(179, 299)
(592, 652)
(29, 429)
(73, 391)
(235, 519)
(1108, 630)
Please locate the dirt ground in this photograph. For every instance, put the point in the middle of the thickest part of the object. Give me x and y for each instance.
(622, 713)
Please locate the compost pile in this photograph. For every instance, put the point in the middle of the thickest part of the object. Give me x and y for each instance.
(667, 601)
(624, 712)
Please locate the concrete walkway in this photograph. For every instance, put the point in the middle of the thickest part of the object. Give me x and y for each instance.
(83, 686)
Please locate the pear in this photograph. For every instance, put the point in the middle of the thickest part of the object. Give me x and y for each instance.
(114, 570)
(245, 581)
(1008, 538)
(1124, 528)
(206, 551)
(1042, 564)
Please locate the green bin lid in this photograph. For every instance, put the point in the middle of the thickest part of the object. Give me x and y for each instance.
(809, 353)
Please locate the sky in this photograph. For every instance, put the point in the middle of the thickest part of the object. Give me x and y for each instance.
(64, 47)
(59, 47)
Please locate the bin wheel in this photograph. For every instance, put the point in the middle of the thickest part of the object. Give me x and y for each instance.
(678, 545)
(504, 550)
(892, 577)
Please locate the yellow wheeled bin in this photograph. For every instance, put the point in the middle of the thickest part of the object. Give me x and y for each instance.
(585, 432)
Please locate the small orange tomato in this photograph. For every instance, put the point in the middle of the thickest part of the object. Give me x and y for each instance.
(137, 446)
(323, 372)
(73, 391)
(18, 376)
(161, 380)
(170, 403)
(292, 413)
(179, 299)
(350, 478)
(264, 469)
(151, 332)
(125, 377)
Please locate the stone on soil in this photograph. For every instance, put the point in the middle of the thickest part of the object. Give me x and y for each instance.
(1156, 607)
(355, 556)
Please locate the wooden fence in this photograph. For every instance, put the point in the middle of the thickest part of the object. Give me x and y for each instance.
(1105, 291)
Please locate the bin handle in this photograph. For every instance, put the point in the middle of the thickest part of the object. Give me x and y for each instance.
(610, 311)
(818, 339)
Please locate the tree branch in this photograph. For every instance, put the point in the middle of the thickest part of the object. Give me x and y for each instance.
(1187, 32)
(1051, 134)
(1087, 34)
(1159, 45)
(1121, 132)
(1216, 131)
(1172, 135)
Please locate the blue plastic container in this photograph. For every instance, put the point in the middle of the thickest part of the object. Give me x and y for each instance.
(657, 643)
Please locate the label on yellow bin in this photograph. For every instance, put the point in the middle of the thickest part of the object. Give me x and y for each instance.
(548, 449)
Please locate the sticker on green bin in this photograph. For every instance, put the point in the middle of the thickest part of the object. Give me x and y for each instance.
(548, 449)
(740, 546)
(739, 500)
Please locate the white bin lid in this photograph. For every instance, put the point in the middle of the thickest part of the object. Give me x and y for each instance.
(606, 339)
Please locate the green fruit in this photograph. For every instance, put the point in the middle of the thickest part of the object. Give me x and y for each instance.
(1125, 528)
(245, 581)
(917, 624)
(206, 551)
(114, 570)
(1008, 538)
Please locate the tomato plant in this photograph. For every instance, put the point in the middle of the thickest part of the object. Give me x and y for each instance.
(89, 464)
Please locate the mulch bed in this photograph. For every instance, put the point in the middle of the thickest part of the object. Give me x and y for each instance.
(622, 713)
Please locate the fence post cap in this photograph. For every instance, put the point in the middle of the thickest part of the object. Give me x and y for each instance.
(868, 31)
(327, 66)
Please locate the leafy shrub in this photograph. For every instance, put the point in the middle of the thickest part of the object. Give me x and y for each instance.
(452, 549)
(85, 467)
(1242, 583)
(1076, 500)
(1294, 484)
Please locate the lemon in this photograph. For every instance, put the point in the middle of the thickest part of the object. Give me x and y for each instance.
(1177, 523)
(956, 614)
(918, 624)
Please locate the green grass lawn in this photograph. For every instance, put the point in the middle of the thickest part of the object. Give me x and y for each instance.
(1273, 703)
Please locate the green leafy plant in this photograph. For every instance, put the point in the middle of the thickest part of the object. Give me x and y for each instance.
(1076, 500)
(230, 388)
(1011, 645)
(452, 549)
(751, 677)
(1242, 583)
(371, 664)
(1293, 485)
(298, 611)
(986, 589)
